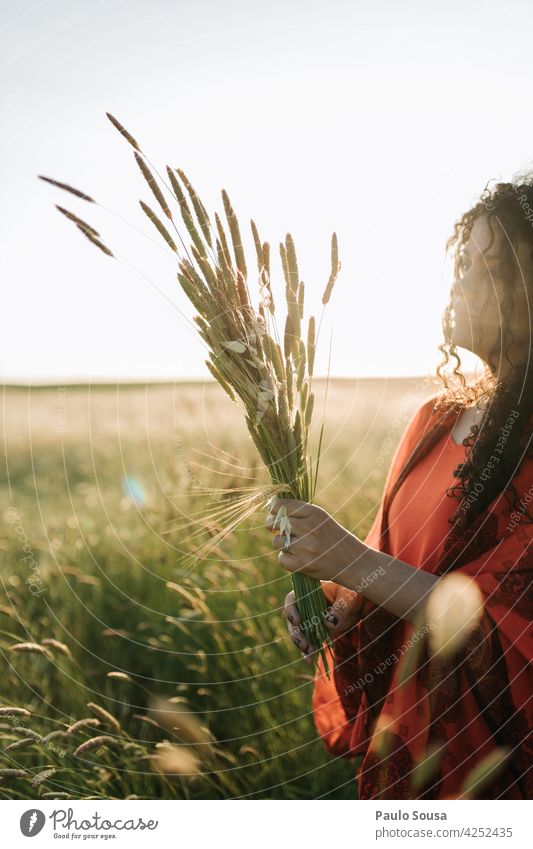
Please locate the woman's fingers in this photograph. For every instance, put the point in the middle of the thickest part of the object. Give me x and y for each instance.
(293, 506)
(330, 590)
(290, 609)
(344, 613)
(301, 642)
(296, 633)
(298, 637)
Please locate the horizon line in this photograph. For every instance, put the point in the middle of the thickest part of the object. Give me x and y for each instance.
(190, 380)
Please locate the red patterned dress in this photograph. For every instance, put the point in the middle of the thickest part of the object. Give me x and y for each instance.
(465, 706)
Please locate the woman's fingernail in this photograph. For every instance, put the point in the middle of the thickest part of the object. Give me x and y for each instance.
(330, 617)
(290, 617)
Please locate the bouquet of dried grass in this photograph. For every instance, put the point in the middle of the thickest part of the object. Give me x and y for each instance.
(270, 376)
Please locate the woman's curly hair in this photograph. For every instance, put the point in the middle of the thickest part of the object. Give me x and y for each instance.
(507, 401)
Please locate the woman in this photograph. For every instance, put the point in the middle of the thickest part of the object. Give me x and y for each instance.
(455, 500)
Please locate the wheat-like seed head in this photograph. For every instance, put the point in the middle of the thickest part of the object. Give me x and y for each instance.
(123, 132)
(88, 722)
(158, 225)
(96, 743)
(14, 711)
(62, 648)
(66, 188)
(105, 716)
(29, 648)
(154, 186)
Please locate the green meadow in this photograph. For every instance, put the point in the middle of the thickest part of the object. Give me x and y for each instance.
(105, 492)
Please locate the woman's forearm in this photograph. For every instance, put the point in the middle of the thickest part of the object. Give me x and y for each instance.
(323, 549)
(396, 586)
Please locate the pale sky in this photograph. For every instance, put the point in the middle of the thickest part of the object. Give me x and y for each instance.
(380, 120)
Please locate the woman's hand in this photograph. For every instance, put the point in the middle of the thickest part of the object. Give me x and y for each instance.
(343, 613)
(319, 546)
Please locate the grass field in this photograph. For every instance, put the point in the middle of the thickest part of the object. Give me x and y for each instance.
(99, 490)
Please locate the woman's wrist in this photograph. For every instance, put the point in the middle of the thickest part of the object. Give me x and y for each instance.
(364, 567)
(398, 587)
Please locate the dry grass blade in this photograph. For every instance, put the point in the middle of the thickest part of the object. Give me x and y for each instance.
(158, 225)
(224, 244)
(292, 263)
(288, 337)
(123, 131)
(105, 716)
(186, 213)
(43, 776)
(58, 646)
(88, 722)
(193, 600)
(335, 268)
(86, 228)
(96, 743)
(284, 264)
(301, 366)
(30, 648)
(120, 676)
(235, 234)
(21, 744)
(95, 241)
(289, 384)
(309, 409)
(22, 731)
(266, 257)
(14, 711)
(258, 246)
(218, 377)
(53, 735)
(301, 298)
(243, 294)
(199, 208)
(152, 182)
(67, 188)
(311, 346)
(147, 720)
